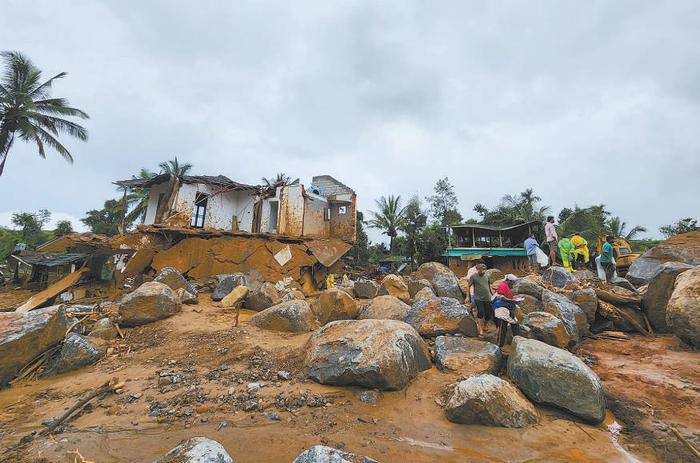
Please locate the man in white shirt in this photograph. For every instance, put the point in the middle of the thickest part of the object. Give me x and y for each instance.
(552, 240)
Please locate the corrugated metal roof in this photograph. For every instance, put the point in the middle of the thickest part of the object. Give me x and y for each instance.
(219, 180)
(51, 260)
(477, 226)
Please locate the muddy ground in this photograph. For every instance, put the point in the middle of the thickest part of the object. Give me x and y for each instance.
(194, 374)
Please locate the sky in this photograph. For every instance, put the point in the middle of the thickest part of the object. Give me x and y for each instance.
(587, 102)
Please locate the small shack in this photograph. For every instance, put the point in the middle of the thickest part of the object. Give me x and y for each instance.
(37, 271)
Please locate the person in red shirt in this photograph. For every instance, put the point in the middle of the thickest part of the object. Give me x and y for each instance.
(505, 317)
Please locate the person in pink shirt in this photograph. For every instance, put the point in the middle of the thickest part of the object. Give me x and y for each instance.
(552, 240)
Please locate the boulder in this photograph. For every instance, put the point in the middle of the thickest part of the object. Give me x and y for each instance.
(494, 274)
(684, 248)
(623, 283)
(260, 299)
(557, 276)
(292, 316)
(443, 280)
(415, 285)
(295, 294)
(423, 294)
(173, 278)
(366, 289)
(24, 337)
(528, 286)
(149, 302)
(587, 300)
(570, 314)
(547, 328)
(393, 285)
(197, 450)
(236, 297)
(441, 315)
(384, 308)
(463, 286)
(683, 308)
(77, 352)
(334, 304)
(659, 292)
(382, 354)
(185, 297)
(226, 283)
(491, 401)
(323, 454)
(348, 286)
(104, 329)
(552, 376)
(467, 356)
(530, 304)
(583, 275)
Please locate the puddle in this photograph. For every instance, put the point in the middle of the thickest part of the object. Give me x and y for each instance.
(446, 448)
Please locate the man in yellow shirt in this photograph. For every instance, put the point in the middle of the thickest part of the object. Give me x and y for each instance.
(580, 249)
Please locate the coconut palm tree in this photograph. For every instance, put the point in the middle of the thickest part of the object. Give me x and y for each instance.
(279, 179)
(525, 206)
(389, 218)
(27, 111)
(137, 198)
(173, 167)
(616, 227)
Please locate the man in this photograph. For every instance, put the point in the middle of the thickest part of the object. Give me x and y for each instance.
(580, 249)
(482, 297)
(472, 270)
(552, 238)
(504, 309)
(607, 258)
(566, 251)
(531, 247)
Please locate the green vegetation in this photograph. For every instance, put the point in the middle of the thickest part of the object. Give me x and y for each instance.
(514, 209)
(279, 179)
(681, 226)
(389, 217)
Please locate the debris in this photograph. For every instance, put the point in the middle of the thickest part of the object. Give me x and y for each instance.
(52, 291)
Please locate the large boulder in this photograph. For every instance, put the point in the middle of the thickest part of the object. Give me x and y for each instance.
(393, 285)
(528, 285)
(494, 274)
(557, 276)
(583, 275)
(441, 315)
(530, 304)
(262, 298)
(384, 308)
(683, 308)
(104, 329)
(348, 286)
(226, 283)
(24, 337)
(366, 289)
(570, 314)
(149, 302)
(77, 352)
(424, 293)
(417, 284)
(323, 454)
(383, 354)
(659, 292)
(547, 328)
(684, 248)
(443, 280)
(467, 356)
(197, 450)
(334, 304)
(173, 278)
(587, 300)
(552, 376)
(491, 401)
(235, 298)
(292, 316)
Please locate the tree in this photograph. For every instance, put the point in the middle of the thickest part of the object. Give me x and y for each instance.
(137, 198)
(279, 179)
(108, 219)
(29, 113)
(514, 209)
(414, 220)
(681, 226)
(617, 227)
(30, 226)
(590, 221)
(63, 227)
(173, 167)
(443, 203)
(361, 248)
(389, 217)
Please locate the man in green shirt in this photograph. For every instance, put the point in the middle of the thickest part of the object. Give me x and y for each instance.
(607, 258)
(482, 298)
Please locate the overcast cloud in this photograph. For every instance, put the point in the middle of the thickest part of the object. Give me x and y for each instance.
(587, 102)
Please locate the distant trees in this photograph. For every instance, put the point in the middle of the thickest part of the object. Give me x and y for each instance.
(63, 227)
(388, 218)
(28, 112)
(681, 226)
(617, 227)
(174, 167)
(108, 219)
(514, 209)
(279, 179)
(412, 225)
(443, 203)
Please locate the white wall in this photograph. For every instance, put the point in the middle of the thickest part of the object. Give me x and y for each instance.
(153, 194)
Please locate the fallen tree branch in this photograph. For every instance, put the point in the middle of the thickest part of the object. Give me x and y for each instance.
(690, 446)
(614, 296)
(35, 364)
(619, 315)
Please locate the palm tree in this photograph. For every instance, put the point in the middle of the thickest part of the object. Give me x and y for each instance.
(137, 198)
(616, 227)
(28, 113)
(524, 207)
(390, 217)
(173, 167)
(279, 179)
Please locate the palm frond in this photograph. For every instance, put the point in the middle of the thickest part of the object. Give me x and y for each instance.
(49, 140)
(42, 90)
(59, 106)
(57, 125)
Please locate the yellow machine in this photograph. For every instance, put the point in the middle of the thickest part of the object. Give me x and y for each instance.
(623, 254)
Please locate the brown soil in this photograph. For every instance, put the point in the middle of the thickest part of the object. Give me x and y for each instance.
(214, 363)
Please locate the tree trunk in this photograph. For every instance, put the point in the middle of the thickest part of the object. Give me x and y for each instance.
(6, 152)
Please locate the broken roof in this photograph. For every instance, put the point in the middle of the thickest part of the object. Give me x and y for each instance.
(329, 186)
(50, 260)
(218, 180)
(477, 226)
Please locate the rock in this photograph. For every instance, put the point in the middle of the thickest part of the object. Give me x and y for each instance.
(366, 289)
(583, 275)
(683, 308)
(530, 304)
(684, 248)
(443, 280)
(467, 356)
(24, 337)
(323, 454)
(494, 274)
(173, 278)
(185, 297)
(293, 295)
(623, 283)
(393, 285)
(293, 316)
(441, 315)
(557, 276)
(463, 286)
(382, 354)
(197, 450)
(226, 283)
(149, 302)
(547, 328)
(263, 298)
(236, 297)
(334, 304)
(384, 308)
(528, 286)
(574, 318)
(587, 300)
(423, 294)
(77, 352)
(553, 376)
(104, 329)
(659, 292)
(491, 401)
(416, 285)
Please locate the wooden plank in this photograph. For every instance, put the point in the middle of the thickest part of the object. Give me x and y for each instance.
(53, 290)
